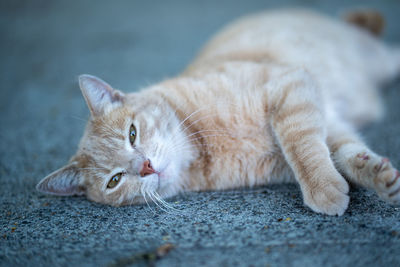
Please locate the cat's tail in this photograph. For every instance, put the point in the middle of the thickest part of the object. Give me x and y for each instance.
(373, 22)
(370, 20)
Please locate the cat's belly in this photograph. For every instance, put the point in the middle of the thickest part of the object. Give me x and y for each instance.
(250, 157)
(227, 118)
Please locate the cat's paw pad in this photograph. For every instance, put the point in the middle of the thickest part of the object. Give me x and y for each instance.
(387, 182)
(367, 165)
(361, 160)
(328, 197)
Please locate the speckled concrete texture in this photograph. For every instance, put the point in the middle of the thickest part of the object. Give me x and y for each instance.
(46, 44)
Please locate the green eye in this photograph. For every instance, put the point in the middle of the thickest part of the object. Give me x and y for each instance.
(132, 134)
(114, 180)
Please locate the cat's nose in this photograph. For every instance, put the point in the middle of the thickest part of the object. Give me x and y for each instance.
(147, 169)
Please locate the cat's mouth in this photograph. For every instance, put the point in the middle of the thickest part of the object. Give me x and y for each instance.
(164, 173)
(163, 176)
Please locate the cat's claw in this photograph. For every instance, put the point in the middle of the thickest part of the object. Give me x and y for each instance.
(383, 163)
(387, 183)
(384, 177)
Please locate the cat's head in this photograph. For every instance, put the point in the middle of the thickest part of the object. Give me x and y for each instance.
(129, 150)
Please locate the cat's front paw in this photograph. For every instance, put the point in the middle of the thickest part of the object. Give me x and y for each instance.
(328, 196)
(387, 181)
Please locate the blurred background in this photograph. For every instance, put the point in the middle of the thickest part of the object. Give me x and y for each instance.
(46, 44)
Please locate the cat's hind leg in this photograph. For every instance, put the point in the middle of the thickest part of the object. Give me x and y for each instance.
(362, 166)
(298, 123)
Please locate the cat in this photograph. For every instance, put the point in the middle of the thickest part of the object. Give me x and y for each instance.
(275, 97)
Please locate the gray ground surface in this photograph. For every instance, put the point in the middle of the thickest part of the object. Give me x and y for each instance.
(45, 45)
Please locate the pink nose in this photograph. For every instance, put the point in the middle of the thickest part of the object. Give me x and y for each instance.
(147, 169)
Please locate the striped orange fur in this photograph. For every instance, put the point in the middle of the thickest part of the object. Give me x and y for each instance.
(275, 97)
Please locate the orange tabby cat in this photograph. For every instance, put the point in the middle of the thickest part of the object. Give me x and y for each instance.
(275, 96)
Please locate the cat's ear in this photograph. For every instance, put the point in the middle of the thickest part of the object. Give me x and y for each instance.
(63, 182)
(99, 95)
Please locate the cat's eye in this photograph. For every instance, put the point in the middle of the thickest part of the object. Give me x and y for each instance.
(114, 180)
(132, 134)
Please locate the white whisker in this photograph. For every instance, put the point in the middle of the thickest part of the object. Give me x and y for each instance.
(93, 169)
(166, 204)
(177, 129)
(144, 196)
(198, 138)
(174, 138)
(151, 195)
(204, 131)
(78, 118)
(190, 115)
(189, 147)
